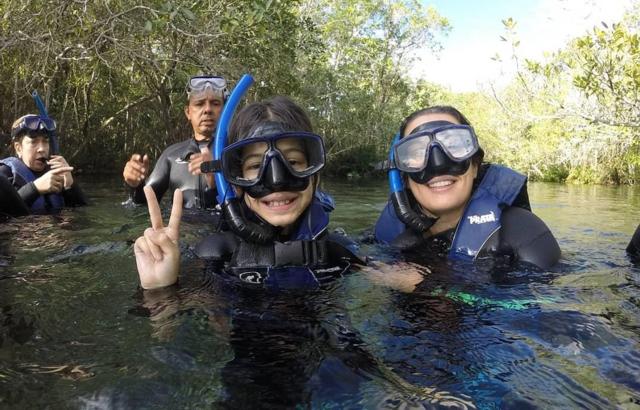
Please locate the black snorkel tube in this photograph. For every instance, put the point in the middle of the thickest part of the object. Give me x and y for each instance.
(417, 221)
(232, 205)
(42, 109)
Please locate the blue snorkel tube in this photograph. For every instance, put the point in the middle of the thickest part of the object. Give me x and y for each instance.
(220, 141)
(417, 221)
(42, 109)
(232, 205)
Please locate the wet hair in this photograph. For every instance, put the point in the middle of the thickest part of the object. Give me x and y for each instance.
(477, 158)
(277, 109)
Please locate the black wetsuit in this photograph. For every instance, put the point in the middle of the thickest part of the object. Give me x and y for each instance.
(171, 172)
(633, 249)
(29, 193)
(11, 204)
(522, 238)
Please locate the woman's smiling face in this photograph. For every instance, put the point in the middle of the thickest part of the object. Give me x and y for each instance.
(444, 196)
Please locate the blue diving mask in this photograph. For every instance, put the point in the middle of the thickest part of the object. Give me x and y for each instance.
(33, 123)
(436, 148)
(273, 159)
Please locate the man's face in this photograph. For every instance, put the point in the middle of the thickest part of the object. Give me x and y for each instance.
(33, 151)
(203, 112)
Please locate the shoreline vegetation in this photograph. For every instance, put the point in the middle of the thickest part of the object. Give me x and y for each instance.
(113, 73)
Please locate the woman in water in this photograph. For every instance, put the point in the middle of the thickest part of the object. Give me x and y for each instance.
(446, 201)
(43, 181)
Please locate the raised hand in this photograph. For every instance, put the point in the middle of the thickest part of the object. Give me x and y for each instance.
(136, 170)
(52, 181)
(195, 160)
(157, 253)
(58, 161)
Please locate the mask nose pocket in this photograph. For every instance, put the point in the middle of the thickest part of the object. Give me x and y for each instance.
(276, 174)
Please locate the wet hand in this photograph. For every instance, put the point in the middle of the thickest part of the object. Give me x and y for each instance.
(402, 276)
(195, 160)
(57, 162)
(157, 253)
(52, 180)
(136, 170)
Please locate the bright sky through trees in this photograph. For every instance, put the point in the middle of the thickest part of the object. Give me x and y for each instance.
(542, 26)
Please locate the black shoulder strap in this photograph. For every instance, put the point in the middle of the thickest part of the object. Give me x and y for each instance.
(219, 246)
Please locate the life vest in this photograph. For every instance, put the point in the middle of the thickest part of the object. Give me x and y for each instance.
(499, 187)
(19, 169)
(305, 261)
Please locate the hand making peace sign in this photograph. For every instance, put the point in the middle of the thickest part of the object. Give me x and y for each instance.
(157, 252)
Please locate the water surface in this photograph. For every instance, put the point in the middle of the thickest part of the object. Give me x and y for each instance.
(76, 332)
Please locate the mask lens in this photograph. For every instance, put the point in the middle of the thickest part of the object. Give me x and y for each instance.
(242, 163)
(458, 142)
(294, 153)
(410, 153)
(34, 123)
(201, 83)
(303, 154)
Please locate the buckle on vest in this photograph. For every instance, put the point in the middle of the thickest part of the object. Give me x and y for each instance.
(300, 253)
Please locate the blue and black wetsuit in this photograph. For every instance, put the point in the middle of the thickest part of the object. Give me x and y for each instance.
(22, 180)
(497, 223)
(304, 259)
(171, 172)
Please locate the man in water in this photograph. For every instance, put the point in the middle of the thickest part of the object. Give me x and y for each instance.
(179, 165)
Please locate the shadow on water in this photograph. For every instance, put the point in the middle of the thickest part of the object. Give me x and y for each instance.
(76, 332)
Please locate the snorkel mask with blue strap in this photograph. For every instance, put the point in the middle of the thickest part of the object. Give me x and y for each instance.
(272, 158)
(269, 160)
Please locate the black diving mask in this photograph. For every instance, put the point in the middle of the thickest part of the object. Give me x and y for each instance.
(273, 160)
(436, 148)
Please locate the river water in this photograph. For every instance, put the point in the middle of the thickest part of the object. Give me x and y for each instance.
(76, 332)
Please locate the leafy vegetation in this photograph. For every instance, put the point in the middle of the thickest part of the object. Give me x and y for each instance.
(113, 74)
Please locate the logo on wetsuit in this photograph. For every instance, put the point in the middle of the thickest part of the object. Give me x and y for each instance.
(251, 277)
(482, 219)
